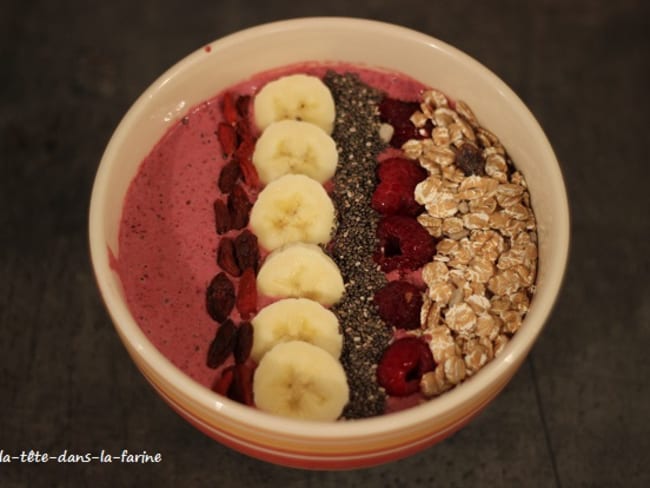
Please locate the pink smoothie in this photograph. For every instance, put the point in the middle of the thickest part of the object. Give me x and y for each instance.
(168, 243)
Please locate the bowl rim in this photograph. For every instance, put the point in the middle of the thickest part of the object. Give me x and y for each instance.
(130, 332)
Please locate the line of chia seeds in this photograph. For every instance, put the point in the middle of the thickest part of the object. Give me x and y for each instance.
(365, 335)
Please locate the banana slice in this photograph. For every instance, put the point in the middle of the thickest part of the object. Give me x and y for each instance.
(300, 380)
(301, 270)
(295, 319)
(292, 208)
(292, 146)
(299, 97)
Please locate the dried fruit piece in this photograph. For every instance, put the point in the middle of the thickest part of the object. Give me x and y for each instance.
(399, 304)
(247, 294)
(251, 177)
(247, 252)
(244, 156)
(403, 364)
(222, 345)
(246, 145)
(221, 217)
(241, 388)
(470, 160)
(394, 194)
(239, 208)
(243, 104)
(403, 244)
(220, 297)
(244, 342)
(227, 137)
(229, 176)
(236, 383)
(226, 257)
(235, 112)
(222, 384)
(229, 108)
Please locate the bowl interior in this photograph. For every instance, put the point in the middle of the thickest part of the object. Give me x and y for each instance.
(234, 58)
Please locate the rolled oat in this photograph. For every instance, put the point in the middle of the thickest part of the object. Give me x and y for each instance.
(481, 280)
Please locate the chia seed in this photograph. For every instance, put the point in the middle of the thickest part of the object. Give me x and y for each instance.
(365, 335)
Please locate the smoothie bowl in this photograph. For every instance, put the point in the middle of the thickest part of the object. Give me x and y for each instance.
(328, 243)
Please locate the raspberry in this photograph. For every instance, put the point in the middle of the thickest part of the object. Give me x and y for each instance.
(402, 169)
(403, 364)
(398, 114)
(395, 192)
(403, 244)
(399, 304)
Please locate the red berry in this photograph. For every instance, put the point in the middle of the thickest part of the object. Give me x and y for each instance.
(402, 365)
(227, 138)
(222, 384)
(244, 156)
(229, 108)
(247, 294)
(399, 304)
(236, 136)
(398, 114)
(403, 133)
(241, 388)
(403, 244)
(236, 383)
(251, 177)
(395, 192)
(388, 198)
(402, 169)
(226, 258)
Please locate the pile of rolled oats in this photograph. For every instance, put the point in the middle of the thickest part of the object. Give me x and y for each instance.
(482, 277)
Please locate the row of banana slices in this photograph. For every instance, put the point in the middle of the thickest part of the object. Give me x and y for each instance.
(297, 340)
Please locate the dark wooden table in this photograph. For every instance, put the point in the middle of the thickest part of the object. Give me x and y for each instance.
(576, 414)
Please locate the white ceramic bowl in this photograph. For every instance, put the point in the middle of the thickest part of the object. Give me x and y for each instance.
(231, 59)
